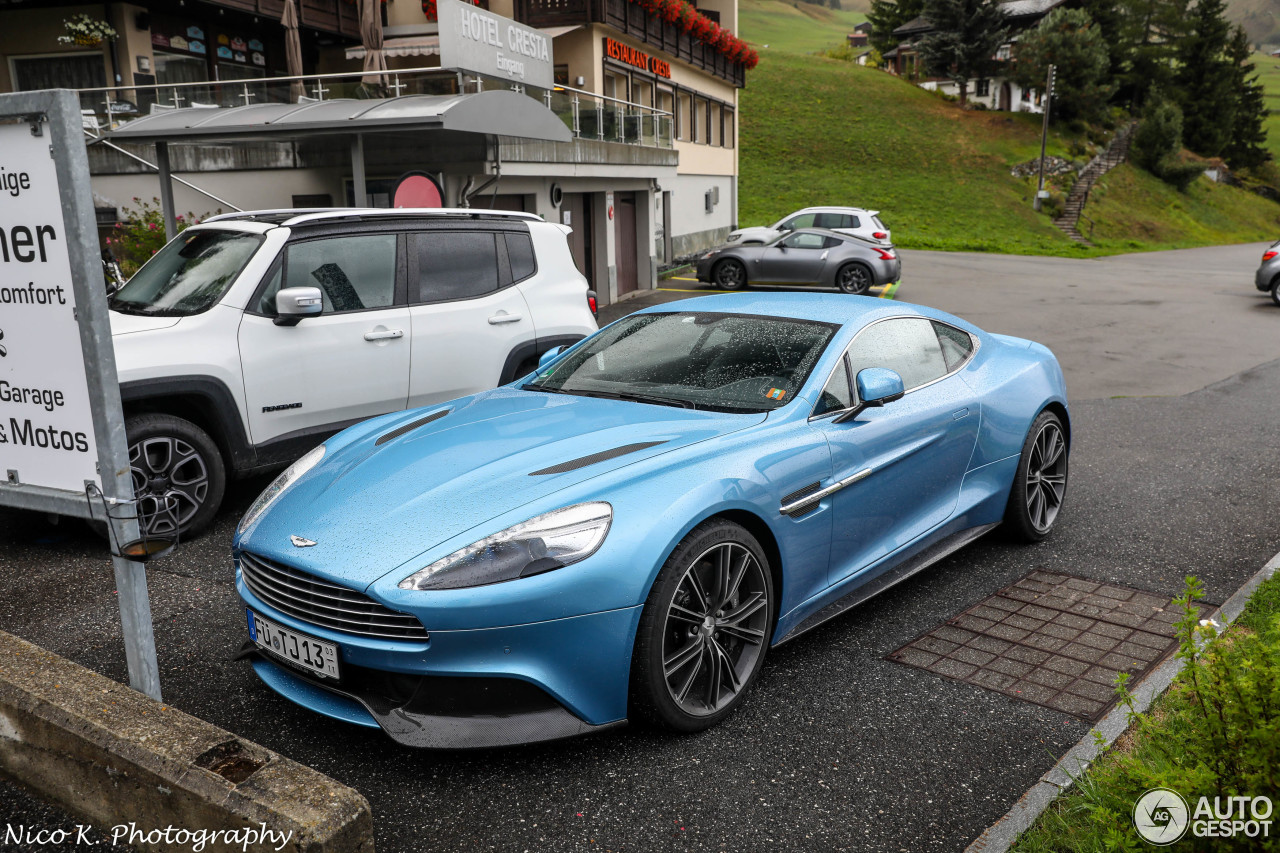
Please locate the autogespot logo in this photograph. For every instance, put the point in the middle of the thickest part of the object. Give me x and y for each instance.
(1160, 816)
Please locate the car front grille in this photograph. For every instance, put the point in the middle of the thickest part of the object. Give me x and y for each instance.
(319, 602)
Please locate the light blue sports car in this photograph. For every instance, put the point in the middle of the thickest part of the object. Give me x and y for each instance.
(626, 532)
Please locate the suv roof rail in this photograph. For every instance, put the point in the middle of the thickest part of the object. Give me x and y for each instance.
(272, 213)
(307, 217)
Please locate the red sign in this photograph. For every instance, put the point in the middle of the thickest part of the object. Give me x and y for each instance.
(638, 58)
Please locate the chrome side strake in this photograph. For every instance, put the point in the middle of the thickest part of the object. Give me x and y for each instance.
(810, 499)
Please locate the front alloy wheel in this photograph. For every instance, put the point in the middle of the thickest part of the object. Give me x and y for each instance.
(178, 475)
(730, 275)
(705, 629)
(1041, 481)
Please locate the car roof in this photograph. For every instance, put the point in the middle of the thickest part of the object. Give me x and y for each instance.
(821, 307)
(836, 210)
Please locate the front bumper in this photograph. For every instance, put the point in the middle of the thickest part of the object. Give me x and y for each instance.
(464, 689)
(704, 269)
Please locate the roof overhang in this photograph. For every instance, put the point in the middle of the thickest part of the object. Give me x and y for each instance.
(495, 113)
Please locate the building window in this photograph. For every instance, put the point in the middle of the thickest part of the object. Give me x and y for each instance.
(1026, 95)
(729, 127)
(683, 107)
(982, 88)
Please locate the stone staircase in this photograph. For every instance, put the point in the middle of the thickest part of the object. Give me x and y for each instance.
(1113, 155)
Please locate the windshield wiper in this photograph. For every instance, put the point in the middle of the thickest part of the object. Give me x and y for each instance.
(630, 396)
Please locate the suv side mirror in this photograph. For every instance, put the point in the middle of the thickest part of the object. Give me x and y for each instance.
(294, 303)
(549, 356)
(876, 387)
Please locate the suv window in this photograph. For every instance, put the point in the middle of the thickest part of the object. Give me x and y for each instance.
(804, 220)
(520, 253)
(454, 265)
(353, 273)
(907, 345)
(188, 275)
(836, 220)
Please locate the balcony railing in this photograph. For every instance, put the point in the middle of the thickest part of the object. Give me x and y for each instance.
(588, 115)
(632, 19)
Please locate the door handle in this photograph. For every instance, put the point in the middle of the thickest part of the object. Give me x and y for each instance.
(957, 415)
(499, 319)
(389, 334)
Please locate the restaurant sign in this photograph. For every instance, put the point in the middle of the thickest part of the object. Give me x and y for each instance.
(637, 58)
(473, 39)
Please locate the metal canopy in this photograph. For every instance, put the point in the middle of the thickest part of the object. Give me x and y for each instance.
(496, 113)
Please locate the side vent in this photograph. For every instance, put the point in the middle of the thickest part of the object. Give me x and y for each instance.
(792, 510)
(584, 461)
(411, 426)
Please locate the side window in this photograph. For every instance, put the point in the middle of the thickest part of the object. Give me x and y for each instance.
(453, 265)
(353, 273)
(956, 345)
(907, 345)
(836, 395)
(267, 302)
(831, 242)
(520, 253)
(805, 240)
(804, 220)
(835, 220)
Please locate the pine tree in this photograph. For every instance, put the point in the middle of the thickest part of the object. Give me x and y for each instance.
(1206, 81)
(1071, 41)
(1151, 31)
(964, 42)
(886, 16)
(1246, 148)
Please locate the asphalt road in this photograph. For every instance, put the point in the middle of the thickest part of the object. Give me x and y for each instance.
(837, 748)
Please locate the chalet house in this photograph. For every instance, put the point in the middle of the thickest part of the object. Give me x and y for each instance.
(861, 35)
(997, 92)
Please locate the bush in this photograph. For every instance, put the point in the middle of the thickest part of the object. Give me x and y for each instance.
(141, 235)
(1157, 145)
(844, 53)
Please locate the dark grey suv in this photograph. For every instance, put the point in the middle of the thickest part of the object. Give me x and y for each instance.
(1268, 275)
(806, 256)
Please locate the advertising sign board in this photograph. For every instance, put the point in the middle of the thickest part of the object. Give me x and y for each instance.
(472, 39)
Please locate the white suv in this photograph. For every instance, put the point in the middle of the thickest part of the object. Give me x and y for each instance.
(252, 337)
(847, 220)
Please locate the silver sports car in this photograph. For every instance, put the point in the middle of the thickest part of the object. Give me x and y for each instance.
(806, 256)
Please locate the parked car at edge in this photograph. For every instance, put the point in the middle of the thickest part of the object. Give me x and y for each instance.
(625, 533)
(807, 256)
(847, 220)
(1267, 278)
(252, 337)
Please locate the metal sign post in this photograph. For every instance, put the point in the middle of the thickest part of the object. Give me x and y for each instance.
(62, 439)
(1044, 137)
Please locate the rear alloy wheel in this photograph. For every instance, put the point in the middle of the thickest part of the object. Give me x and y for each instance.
(1041, 480)
(853, 278)
(705, 629)
(1275, 291)
(730, 275)
(178, 475)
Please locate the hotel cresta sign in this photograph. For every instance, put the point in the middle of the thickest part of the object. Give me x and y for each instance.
(475, 40)
(636, 58)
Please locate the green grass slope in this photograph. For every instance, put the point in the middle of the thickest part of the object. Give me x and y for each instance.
(797, 27)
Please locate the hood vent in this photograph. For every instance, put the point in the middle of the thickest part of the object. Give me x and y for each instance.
(411, 426)
(602, 456)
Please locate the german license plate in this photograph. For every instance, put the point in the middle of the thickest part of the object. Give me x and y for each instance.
(307, 652)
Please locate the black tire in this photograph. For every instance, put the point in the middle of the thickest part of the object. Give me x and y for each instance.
(854, 278)
(1275, 291)
(1037, 496)
(178, 475)
(729, 274)
(713, 660)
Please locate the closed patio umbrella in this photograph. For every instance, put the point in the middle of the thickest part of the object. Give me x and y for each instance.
(371, 37)
(292, 48)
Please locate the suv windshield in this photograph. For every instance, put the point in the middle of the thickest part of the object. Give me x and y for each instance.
(699, 360)
(188, 275)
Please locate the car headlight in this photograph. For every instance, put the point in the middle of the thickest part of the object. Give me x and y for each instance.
(532, 547)
(734, 237)
(277, 487)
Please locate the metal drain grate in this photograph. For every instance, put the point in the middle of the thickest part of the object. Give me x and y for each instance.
(1052, 639)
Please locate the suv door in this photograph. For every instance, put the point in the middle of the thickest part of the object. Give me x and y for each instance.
(465, 316)
(916, 449)
(349, 363)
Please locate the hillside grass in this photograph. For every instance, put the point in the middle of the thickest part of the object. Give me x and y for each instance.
(1269, 74)
(821, 131)
(797, 27)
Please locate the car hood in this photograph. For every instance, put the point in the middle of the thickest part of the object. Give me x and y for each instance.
(372, 507)
(759, 232)
(124, 324)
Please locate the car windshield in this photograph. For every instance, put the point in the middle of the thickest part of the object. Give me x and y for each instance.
(699, 360)
(188, 275)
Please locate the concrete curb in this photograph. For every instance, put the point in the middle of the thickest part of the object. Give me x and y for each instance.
(116, 757)
(1000, 836)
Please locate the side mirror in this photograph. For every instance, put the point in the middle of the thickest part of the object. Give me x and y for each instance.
(294, 303)
(876, 387)
(549, 356)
